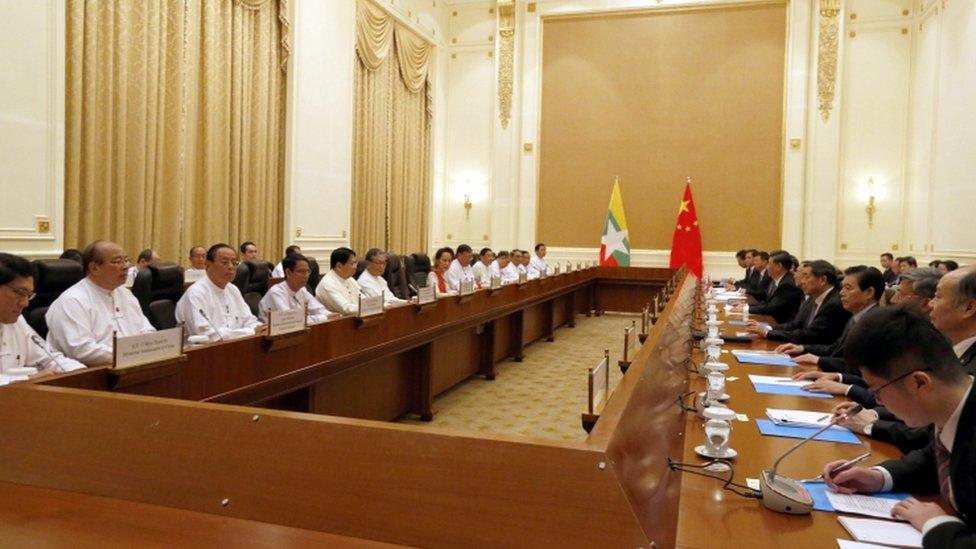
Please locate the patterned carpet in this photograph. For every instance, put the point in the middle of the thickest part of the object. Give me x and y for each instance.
(542, 396)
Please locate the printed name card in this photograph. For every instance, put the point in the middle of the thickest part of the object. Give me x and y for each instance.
(558, 269)
(425, 295)
(496, 282)
(189, 277)
(286, 321)
(370, 306)
(578, 266)
(543, 273)
(522, 278)
(147, 348)
(569, 267)
(467, 287)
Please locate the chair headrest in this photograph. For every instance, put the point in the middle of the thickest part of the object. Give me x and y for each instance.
(392, 263)
(166, 275)
(421, 261)
(56, 275)
(259, 271)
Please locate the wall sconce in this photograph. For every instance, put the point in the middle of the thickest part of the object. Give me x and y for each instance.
(872, 207)
(471, 191)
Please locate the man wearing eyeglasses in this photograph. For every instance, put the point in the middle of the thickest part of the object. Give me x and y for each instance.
(20, 346)
(292, 292)
(371, 280)
(913, 371)
(83, 319)
(212, 307)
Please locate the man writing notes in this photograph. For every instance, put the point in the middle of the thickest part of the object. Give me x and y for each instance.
(372, 282)
(213, 307)
(538, 265)
(292, 292)
(20, 345)
(913, 371)
(338, 290)
(82, 320)
(460, 268)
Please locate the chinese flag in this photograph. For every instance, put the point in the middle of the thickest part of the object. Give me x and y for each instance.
(686, 246)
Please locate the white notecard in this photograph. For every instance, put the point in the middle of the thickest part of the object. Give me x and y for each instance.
(885, 532)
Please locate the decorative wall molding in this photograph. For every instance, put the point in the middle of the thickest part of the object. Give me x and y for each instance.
(506, 59)
(827, 55)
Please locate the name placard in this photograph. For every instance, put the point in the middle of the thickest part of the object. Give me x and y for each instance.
(543, 273)
(569, 267)
(370, 306)
(286, 321)
(496, 282)
(522, 277)
(189, 277)
(425, 295)
(467, 287)
(147, 348)
(558, 269)
(578, 266)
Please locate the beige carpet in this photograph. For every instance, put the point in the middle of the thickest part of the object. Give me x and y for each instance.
(542, 396)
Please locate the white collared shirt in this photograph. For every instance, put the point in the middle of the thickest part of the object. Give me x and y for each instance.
(857, 316)
(482, 272)
(508, 274)
(227, 314)
(279, 271)
(963, 346)
(820, 299)
(82, 320)
(376, 285)
(17, 350)
(280, 297)
(456, 274)
(337, 294)
(537, 265)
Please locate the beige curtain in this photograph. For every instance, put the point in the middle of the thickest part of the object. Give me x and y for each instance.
(391, 173)
(174, 125)
(123, 123)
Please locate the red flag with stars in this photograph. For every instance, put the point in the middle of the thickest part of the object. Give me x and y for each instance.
(686, 246)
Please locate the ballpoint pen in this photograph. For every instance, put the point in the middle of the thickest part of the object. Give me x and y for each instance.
(841, 468)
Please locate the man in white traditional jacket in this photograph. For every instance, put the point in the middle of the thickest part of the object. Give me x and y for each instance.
(538, 265)
(460, 269)
(20, 346)
(372, 281)
(198, 259)
(338, 290)
(82, 320)
(292, 292)
(279, 270)
(503, 268)
(212, 307)
(482, 267)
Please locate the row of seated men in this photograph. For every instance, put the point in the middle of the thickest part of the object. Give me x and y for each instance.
(90, 303)
(909, 364)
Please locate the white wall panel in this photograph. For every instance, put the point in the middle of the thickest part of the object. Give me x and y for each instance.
(874, 119)
(32, 126)
(873, 10)
(472, 24)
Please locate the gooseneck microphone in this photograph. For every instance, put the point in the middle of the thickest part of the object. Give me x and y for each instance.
(785, 495)
(214, 328)
(36, 339)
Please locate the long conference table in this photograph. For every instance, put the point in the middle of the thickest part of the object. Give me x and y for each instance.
(263, 442)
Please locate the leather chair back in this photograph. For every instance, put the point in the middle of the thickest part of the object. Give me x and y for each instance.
(165, 291)
(360, 268)
(253, 300)
(51, 278)
(313, 277)
(259, 272)
(395, 276)
(242, 276)
(418, 267)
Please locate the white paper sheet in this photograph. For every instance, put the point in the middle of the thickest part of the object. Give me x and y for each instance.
(860, 504)
(885, 532)
(778, 380)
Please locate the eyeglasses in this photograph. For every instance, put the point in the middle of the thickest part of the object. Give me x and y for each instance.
(119, 261)
(876, 393)
(226, 263)
(23, 294)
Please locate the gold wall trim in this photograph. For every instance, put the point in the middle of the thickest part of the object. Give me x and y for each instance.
(506, 59)
(827, 56)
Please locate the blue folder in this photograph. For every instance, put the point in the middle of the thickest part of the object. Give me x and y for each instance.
(766, 360)
(792, 390)
(743, 323)
(769, 428)
(818, 491)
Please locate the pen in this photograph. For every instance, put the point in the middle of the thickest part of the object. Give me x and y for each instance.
(842, 467)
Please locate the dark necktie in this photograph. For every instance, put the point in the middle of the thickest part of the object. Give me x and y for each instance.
(942, 463)
(812, 315)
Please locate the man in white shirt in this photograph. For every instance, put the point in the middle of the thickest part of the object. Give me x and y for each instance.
(20, 346)
(502, 268)
(538, 265)
(198, 259)
(482, 267)
(460, 269)
(83, 319)
(372, 282)
(292, 292)
(146, 258)
(213, 308)
(338, 290)
(249, 251)
(279, 270)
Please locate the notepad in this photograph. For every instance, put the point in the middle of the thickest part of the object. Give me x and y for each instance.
(766, 359)
(779, 380)
(884, 532)
(842, 436)
(848, 544)
(800, 418)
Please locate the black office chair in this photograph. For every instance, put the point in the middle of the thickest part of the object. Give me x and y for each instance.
(166, 289)
(395, 275)
(313, 277)
(51, 278)
(253, 300)
(242, 276)
(259, 272)
(360, 268)
(418, 267)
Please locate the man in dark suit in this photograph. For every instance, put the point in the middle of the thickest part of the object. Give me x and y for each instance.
(782, 296)
(821, 318)
(859, 292)
(912, 369)
(890, 276)
(759, 283)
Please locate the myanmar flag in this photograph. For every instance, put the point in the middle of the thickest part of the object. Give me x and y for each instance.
(686, 246)
(615, 246)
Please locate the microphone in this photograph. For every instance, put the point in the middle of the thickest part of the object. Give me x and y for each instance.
(36, 339)
(785, 495)
(207, 318)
